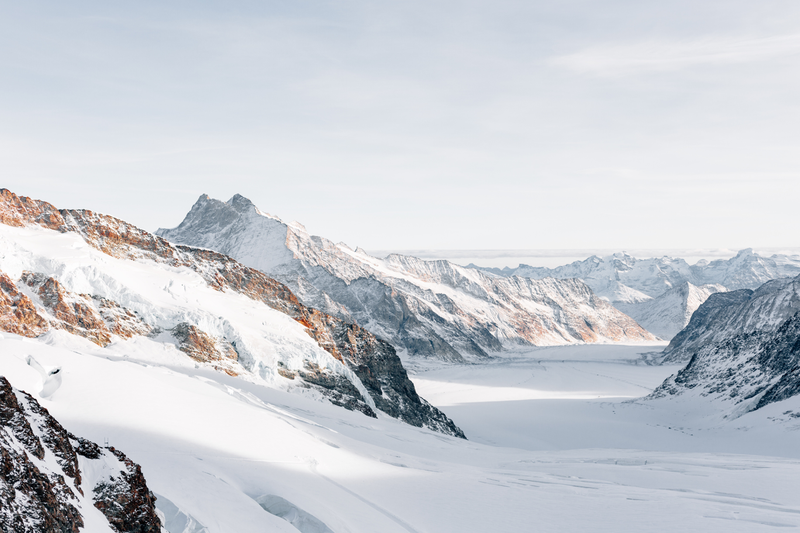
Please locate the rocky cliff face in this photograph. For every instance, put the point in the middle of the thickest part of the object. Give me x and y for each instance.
(678, 288)
(426, 308)
(742, 348)
(725, 315)
(50, 479)
(37, 302)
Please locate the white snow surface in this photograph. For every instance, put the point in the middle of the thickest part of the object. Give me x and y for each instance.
(559, 443)
(164, 296)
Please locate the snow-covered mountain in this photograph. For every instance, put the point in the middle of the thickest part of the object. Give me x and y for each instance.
(667, 314)
(630, 283)
(742, 348)
(425, 308)
(54, 481)
(725, 315)
(102, 279)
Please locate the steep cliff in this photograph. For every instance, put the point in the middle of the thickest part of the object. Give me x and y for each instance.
(725, 315)
(50, 480)
(742, 348)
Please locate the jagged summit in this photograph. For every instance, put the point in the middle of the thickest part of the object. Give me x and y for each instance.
(425, 308)
(240, 203)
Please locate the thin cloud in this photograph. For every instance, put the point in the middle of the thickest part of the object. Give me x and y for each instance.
(661, 56)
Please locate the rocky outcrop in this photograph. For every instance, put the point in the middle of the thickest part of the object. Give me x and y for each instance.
(204, 348)
(42, 489)
(424, 308)
(50, 306)
(85, 315)
(377, 365)
(18, 313)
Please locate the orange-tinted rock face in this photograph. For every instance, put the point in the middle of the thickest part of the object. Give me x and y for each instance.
(71, 312)
(17, 312)
(201, 346)
(93, 318)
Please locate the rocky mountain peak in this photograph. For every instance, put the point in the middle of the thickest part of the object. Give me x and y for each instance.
(241, 203)
(425, 308)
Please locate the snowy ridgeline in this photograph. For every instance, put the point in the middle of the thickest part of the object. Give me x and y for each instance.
(439, 309)
(431, 309)
(662, 293)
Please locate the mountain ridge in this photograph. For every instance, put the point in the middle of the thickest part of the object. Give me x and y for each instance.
(426, 308)
(344, 362)
(631, 284)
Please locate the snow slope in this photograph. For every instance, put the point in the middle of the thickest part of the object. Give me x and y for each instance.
(91, 273)
(225, 454)
(425, 308)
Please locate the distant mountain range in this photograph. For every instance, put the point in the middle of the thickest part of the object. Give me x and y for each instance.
(662, 293)
(431, 309)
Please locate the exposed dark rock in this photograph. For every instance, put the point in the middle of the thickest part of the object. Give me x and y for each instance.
(743, 346)
(713, 311)
(204, 348)
(35, 497)
(376, 363)
(126, 501)
(31, 500)
(336, 388)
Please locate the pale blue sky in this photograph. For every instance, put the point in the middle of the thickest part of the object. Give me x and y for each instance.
(417, 125)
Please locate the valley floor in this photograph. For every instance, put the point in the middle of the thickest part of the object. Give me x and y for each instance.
(558, 443)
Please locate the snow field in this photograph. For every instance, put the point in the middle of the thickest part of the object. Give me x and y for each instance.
(212, 445)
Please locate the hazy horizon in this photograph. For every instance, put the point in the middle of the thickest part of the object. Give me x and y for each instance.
(554, 258)
(427, 125)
